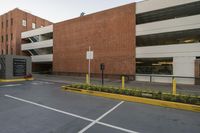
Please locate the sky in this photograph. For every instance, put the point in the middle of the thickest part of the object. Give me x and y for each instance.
(60, 10)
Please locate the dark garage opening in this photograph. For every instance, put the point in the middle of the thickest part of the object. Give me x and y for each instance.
(42, 68)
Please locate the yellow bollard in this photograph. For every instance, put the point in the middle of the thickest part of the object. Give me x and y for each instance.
(87, 79)
(123, 82)
(174, 87)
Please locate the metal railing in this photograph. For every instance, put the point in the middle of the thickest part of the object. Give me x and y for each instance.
(162, 78)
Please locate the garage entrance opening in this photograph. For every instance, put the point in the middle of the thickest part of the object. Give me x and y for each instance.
(42, 68)
(197, 71)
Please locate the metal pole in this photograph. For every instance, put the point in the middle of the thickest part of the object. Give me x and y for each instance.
(123, 82)
(87, 82)
(174, 87)
(89, 68)
(102, 78)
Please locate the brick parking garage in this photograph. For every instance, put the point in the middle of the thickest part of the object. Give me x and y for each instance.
(138, 39)
(111, 35)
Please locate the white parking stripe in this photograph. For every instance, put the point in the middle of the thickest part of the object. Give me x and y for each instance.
(10, 85)
(116, 127)
(78, 116)
(46, 107)
(101, 117)
(41, 83)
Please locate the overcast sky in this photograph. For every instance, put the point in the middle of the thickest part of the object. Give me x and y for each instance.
(59, 10)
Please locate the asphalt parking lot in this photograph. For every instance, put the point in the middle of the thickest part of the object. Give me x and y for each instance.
(42, 107)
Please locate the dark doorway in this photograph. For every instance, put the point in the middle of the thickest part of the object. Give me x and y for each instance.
(197, 71)
(42, 68)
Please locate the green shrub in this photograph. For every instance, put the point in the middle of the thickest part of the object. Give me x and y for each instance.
(166, 97)
(126, 92)
(132, 92)
(138, 93)
(193, 100)
(180, 99)
(141, 93)
(157, 95)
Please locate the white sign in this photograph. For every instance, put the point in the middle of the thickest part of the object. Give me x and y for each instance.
(89, 55)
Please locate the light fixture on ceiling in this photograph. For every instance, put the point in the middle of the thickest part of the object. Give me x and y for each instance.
(189, 41)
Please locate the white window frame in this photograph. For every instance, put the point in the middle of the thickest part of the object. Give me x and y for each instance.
(33, 25)
(24, 22)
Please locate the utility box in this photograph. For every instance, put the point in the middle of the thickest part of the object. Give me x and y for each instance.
(13, 67)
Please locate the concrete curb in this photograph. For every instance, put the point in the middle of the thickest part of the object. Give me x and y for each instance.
(15, 80)
(182, 106)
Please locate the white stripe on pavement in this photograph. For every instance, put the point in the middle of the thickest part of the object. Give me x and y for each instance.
(78, 116)
(49, 108)
(10, 85)
(101, 117)
(116, 127)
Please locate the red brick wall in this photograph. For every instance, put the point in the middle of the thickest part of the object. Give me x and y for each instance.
(111, 35)
(14, 46)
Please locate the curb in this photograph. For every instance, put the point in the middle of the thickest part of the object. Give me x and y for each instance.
(16, 80)
(181, 106)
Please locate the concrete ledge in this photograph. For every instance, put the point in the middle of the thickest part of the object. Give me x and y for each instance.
(15, 80)
(182, 106)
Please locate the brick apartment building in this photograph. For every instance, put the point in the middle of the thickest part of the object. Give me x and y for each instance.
(12, 24)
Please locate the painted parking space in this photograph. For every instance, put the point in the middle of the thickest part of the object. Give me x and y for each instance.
(151, 119)
(25, 118)
(39, 107)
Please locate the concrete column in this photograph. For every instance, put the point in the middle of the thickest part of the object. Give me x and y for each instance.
(184, 66)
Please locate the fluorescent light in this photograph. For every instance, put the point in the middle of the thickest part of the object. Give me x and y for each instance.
(188, 41)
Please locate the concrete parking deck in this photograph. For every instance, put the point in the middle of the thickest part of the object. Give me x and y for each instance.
(42, 107)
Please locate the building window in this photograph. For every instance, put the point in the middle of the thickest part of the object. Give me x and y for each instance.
(33, 25)
(6, 37)
(154, 66)
(6, 23)
(1, 38)
(11, 21)
(6, 48)
(11, 36)
(2, 25)
(11, 51)
(23, 22)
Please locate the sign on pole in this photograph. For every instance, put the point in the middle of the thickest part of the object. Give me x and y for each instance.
(89, 55)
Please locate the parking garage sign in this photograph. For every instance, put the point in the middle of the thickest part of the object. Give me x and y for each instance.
(19, 67)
